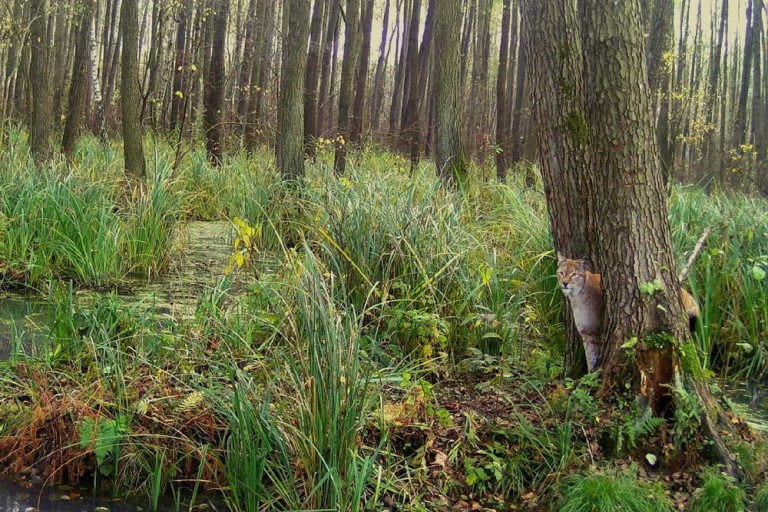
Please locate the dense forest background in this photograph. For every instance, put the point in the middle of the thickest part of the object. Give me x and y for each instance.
(212, 67)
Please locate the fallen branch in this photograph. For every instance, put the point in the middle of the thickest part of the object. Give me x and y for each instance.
(694, 254)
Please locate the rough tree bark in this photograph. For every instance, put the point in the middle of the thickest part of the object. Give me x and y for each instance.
(77, 88)
(628, 196)
(449, 151)
(39, 68)
(135, 165)
(289, 147)
(558, 99)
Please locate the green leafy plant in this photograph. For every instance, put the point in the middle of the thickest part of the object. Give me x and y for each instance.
(105, 436)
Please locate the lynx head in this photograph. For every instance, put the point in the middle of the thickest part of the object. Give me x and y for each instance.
(572, 274)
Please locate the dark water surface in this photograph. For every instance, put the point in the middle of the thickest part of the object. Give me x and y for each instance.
(25, 326)
(14, 498)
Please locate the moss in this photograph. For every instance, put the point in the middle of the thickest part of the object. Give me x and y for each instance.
(690, 362)
(658, 340)
(576, 125)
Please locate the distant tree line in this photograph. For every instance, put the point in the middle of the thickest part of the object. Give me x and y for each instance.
(367, 71)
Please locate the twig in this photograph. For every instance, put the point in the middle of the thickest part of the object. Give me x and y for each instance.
(694, 254)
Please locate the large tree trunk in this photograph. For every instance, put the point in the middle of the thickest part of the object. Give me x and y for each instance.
(290, 107)
(557, 93)
(215, 82)
(449, 151)
(77, 88)
(632, 200)
(39, 69)
(345, 87)
(133, 150)
(634, 249)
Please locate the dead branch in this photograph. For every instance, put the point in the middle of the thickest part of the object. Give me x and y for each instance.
(694, 254)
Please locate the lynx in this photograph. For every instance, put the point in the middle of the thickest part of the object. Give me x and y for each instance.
(585, 294)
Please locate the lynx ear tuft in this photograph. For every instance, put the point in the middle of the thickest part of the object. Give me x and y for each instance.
(560, 257)
(586, 263)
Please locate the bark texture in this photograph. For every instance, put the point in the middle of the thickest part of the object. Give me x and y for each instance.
(135, 165)
(290, 108)
(449, 152)
(557, 93)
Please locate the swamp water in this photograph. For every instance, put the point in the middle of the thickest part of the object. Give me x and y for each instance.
(25, 325)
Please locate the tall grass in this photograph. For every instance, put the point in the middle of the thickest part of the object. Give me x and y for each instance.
(727, 278)
(329, 393)
(608, 491)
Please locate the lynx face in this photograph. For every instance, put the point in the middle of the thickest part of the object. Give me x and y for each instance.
(571, 274)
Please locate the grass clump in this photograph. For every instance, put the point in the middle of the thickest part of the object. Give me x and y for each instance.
(607, 491)
(718, 493)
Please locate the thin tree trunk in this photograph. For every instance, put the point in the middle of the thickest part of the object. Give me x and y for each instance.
(39, 68)
(345, 87)
(502, 115)
(215, 83)
(410, 127)
(327, 76)
(660, 43)
(311, 78)
(77, 88)
(246, 67)
(155, 59)
(710, 157)
(381, 71)
(396, 106)
(740, 132)
(759, 104)
(356, 122)
(178, 90)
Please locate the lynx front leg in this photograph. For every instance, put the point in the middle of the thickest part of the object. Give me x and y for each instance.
(591, 348)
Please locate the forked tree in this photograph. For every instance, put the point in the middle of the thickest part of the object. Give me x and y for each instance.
(644, 339)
